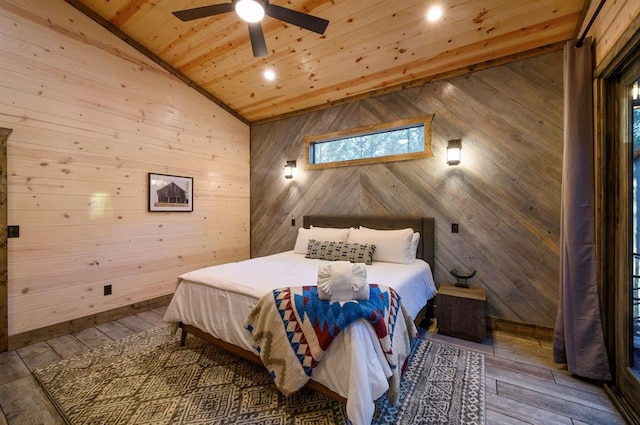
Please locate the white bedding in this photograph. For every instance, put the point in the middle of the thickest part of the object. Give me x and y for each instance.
(218, 300)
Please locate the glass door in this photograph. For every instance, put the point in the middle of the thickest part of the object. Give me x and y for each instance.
(634, 284)
(624, 221)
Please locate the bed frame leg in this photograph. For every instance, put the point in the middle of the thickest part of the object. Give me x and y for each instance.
(183, 337)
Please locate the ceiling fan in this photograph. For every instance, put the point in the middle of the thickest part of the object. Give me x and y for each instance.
(252, 11)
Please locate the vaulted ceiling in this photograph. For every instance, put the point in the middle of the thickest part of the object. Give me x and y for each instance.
(369, 47)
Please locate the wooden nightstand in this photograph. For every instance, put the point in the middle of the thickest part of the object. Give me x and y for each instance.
(461, 312)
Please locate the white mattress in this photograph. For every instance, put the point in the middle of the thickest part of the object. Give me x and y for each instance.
(218, 300)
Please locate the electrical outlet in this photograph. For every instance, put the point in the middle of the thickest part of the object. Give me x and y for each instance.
(454, 227)
(13, 231)
(107, 290)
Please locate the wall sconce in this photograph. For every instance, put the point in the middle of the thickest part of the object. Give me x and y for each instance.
(288, 169)
(453, 152)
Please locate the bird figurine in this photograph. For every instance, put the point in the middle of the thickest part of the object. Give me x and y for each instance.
(462, 277)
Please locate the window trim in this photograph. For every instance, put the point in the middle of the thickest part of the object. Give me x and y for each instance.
(425, 120)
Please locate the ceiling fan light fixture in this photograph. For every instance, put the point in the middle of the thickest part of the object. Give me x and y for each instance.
(250, 10)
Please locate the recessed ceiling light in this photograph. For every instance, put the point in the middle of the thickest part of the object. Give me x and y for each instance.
(434, 13)
(269, 75)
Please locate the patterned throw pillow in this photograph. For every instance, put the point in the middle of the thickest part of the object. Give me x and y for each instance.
(340, 251)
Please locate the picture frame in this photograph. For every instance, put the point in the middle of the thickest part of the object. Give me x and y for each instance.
(170, 193)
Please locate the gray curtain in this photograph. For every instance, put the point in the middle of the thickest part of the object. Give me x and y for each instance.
(578, 339)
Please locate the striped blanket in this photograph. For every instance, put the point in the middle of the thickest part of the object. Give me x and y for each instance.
(292, 328)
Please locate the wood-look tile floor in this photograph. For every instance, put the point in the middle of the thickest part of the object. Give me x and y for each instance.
(523, 384)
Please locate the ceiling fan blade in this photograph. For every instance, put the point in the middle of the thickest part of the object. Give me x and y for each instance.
(299, 19)
(203, 12)
(258, 44)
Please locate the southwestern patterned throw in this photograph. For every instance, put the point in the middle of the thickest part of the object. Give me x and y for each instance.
(292, 328)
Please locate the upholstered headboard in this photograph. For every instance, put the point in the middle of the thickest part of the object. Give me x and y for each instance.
(423, 225)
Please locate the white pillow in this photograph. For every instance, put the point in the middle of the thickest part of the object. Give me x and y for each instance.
(392, 246)
(320, 234)
(414, 246)
(413, 251)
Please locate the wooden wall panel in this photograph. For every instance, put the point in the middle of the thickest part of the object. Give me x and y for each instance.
(610, 26)
(90, 118)
(505, 195)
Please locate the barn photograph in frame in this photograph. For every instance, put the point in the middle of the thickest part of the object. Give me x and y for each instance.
(170, 193)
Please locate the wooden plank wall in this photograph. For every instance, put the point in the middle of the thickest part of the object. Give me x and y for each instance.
(611, 23)
(91, 117)
(505, 195)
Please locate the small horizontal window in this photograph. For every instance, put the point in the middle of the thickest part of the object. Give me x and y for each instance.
(394, 141)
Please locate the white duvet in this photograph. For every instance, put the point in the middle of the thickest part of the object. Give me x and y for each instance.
(218, 300)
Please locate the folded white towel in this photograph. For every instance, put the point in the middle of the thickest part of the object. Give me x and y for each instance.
(343, 281)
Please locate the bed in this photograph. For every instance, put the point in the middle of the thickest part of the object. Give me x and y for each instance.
(213, 303)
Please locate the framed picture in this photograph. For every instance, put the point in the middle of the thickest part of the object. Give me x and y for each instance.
(170, 193)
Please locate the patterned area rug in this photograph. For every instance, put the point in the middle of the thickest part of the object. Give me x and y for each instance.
(149, 379)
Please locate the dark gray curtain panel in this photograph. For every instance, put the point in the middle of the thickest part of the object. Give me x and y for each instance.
(578, 339)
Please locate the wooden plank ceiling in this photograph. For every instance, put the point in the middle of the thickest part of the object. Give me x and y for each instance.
(370, 46)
